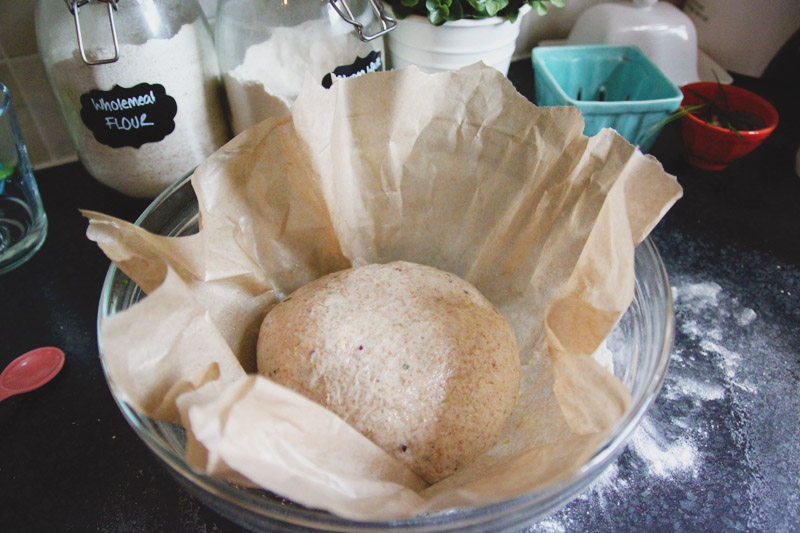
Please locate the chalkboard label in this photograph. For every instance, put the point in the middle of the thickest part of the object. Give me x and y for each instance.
(131, 116)
(362, 65)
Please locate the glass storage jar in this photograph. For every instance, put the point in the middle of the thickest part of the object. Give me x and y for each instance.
(139, 85)
(266, 48)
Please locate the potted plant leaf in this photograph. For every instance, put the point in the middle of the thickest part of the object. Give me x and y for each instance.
(441, 35)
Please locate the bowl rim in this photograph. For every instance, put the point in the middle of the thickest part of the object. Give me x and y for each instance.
(549, 498)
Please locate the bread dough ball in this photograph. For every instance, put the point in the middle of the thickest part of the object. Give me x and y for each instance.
(414, 358)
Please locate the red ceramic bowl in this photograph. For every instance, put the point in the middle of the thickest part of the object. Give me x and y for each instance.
(712, 147)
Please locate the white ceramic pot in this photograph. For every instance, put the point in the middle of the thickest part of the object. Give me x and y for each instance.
(453, 45)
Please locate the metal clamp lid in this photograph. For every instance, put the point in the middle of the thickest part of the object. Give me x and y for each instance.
(344, 11)
(74, 7)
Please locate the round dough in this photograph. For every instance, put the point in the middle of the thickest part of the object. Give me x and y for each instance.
(414, 358)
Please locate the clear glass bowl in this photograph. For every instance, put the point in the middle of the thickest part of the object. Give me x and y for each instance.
(641, 345)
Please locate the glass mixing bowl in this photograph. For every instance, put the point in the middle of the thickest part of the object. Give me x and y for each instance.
(640, 344)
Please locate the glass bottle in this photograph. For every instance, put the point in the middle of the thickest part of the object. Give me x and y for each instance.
(139, 85)
(266, 48)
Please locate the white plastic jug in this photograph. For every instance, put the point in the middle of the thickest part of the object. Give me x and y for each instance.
(663, 32)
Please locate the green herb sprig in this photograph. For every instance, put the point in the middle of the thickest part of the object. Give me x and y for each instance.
(713, 111)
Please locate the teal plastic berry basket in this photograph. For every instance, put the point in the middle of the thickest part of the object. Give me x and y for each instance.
(613, 86)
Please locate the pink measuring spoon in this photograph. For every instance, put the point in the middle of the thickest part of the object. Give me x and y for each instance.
(30, 371)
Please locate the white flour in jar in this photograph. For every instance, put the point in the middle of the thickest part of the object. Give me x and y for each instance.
(273, 71)
(188, 76)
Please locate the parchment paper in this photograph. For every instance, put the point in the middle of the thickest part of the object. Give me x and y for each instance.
(454, 170)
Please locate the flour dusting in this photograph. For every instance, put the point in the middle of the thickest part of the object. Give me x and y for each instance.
(663, 456)
(697, 296)
(668, 449)
(701, 390)
(551, 526)
(730, 362)
(746, 317)
(606, 488)
(715, 314)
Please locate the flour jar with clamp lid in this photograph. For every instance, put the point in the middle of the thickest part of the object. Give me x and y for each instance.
(139, 85)
(266, 48)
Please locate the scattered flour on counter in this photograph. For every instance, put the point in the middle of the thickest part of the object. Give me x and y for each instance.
(729, 346)
(711, 405)
(606, 486)
(673, 447)
(664, 457)
(746, 317)
(697, 296)
(730, 363)
(668, 446)
(713, 313)
(550, 526)
(702, 390)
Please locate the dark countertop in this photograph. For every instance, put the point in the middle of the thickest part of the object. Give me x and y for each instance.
(718, 451)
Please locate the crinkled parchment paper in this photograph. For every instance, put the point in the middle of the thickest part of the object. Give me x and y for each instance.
(453, 170)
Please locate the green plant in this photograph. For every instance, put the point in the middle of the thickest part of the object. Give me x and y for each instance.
(440, 11)
(717, 112)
